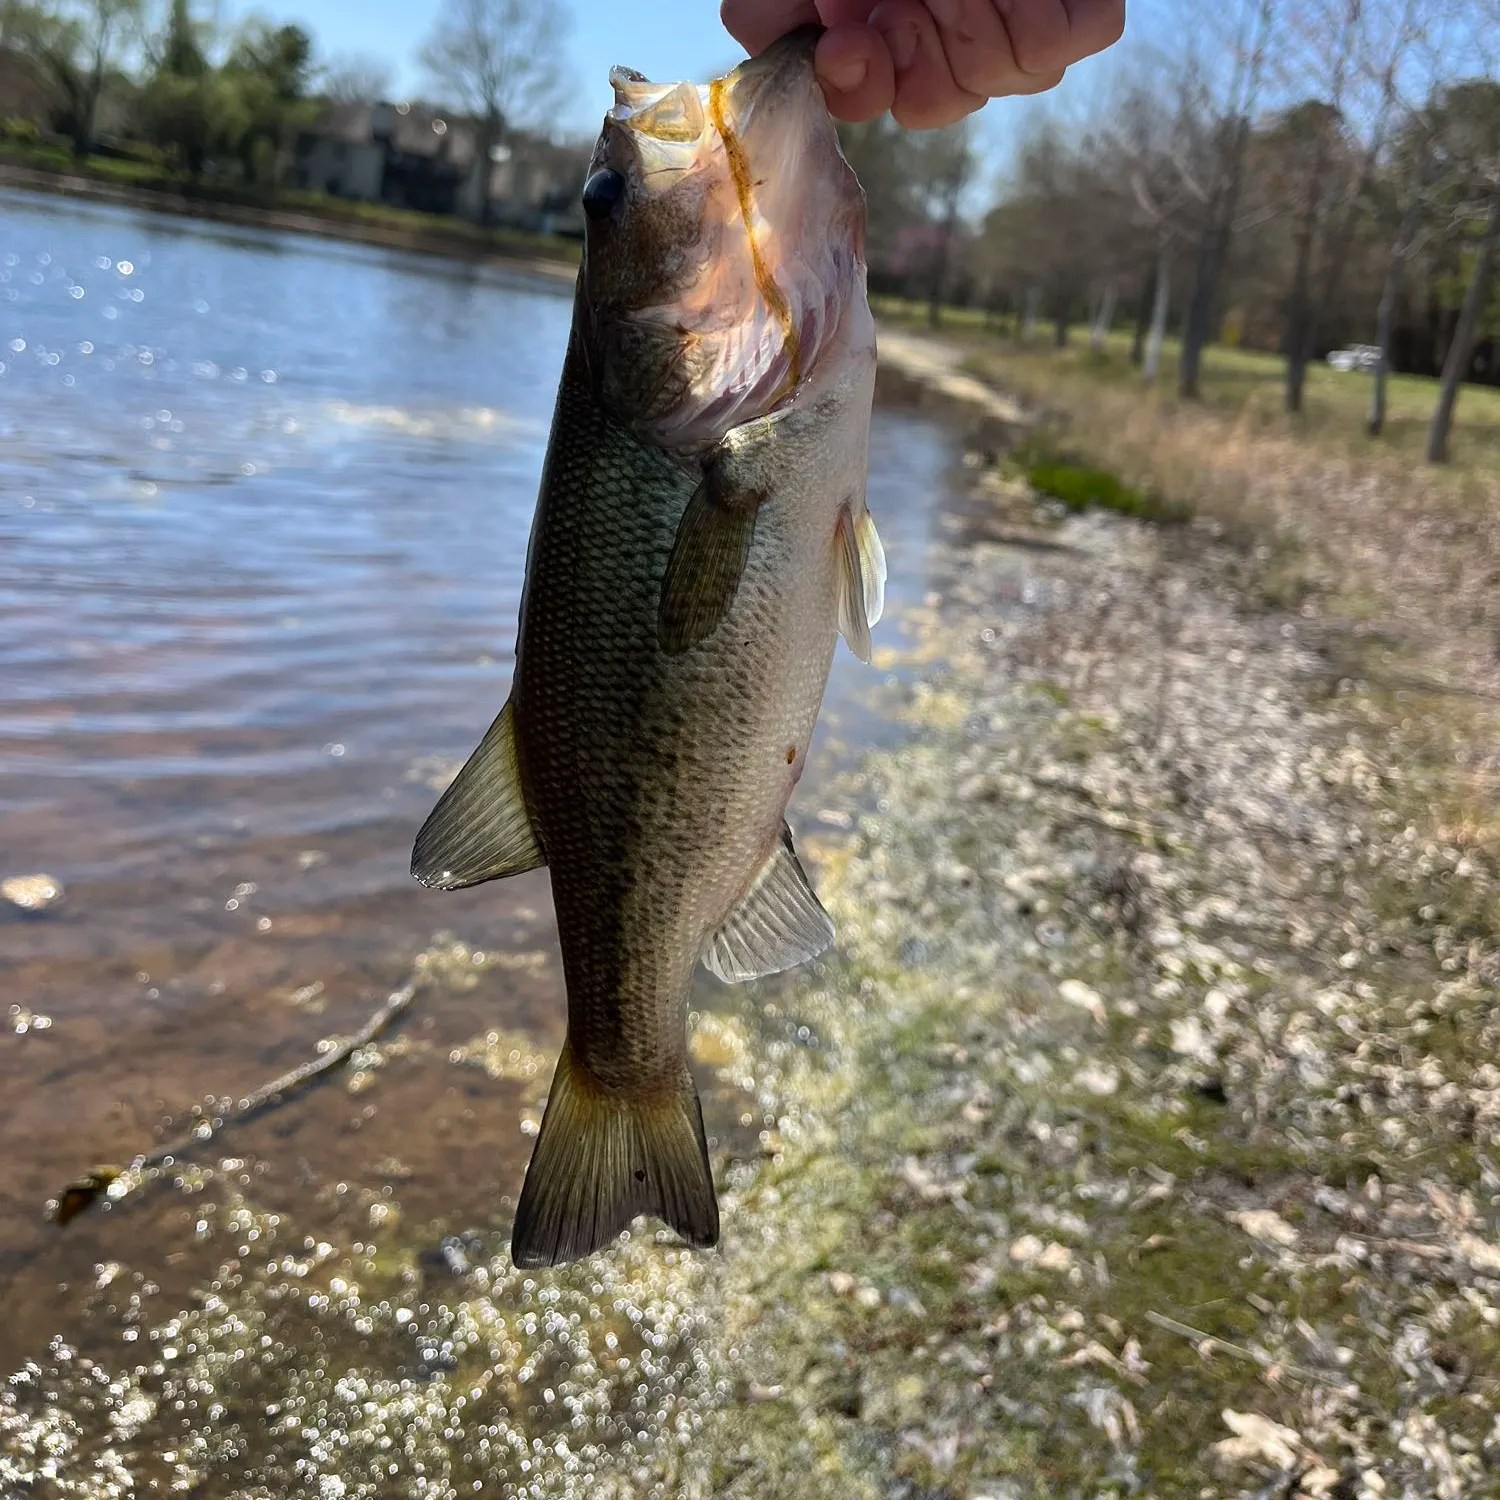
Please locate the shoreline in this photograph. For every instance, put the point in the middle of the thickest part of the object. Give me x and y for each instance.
(1136, 1140)
(422, 240)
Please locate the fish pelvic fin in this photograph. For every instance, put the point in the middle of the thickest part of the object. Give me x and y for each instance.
(602, 1158)
(862, 575)
(779, 923)
(480, 829)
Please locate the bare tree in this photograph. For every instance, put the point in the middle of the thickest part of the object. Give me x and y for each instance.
(1461, 350)
(1104, 317)
(1385, 314)
(1469, 130)
(1161, 302)
(949, 168)
(354, 77)
(1315, 133)
(78, 45)
(1165, 199)
(501, 61)
(1229, 132)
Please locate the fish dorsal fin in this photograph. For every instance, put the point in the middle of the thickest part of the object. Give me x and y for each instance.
(480, 829)
(778, 924)
(861, 578)
(708, 557)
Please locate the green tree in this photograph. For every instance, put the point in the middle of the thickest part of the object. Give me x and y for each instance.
(78, 46)
(271, 70)
(195, 119)
(186, 106)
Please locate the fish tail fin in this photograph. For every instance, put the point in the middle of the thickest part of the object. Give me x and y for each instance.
(602, 1158)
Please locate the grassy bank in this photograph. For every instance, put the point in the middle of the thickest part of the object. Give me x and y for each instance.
(1359, 531)
(145, 185)
(1241, 386)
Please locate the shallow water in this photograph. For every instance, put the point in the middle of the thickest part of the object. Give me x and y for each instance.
(263, 511)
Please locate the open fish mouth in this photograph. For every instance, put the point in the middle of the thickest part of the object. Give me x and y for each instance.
(725, 243)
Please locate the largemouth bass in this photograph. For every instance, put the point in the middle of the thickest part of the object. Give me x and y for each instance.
(700, 541)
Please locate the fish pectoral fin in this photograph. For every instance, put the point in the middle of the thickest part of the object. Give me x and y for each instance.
(861, 577)
(707, 560)
(601, 1158)
(778, 924)
(480, 829)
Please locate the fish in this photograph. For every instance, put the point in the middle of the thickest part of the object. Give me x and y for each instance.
(701, 540)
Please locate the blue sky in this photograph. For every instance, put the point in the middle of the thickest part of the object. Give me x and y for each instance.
(663, 38)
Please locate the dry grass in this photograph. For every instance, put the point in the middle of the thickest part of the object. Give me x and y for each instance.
(1245, 385)
(1373, 540)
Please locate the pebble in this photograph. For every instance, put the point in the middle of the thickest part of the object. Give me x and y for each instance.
(1267, 1226)
(1077, 993)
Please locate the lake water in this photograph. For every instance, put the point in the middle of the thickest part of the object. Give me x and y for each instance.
(264, 502)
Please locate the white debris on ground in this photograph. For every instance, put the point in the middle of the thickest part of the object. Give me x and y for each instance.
(31, 892)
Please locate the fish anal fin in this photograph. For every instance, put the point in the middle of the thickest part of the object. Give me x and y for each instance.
(602, 1158)
(707, 560)
(861, 564)
(480, 829)
(778, 924)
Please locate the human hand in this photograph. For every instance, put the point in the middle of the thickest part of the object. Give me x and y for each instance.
(931, 62)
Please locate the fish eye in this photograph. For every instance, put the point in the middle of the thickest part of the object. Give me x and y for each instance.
(602, 192)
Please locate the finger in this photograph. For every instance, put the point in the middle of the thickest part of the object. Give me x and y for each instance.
(844, 12)
(1095, 24)
(755, 24)
(1038, 83)
(927, 96)
(1040, 33)
(1046, 35)
(854, 66)
(977, 47)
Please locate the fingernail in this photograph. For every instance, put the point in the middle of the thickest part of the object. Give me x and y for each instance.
(903, 44)
(845, 73)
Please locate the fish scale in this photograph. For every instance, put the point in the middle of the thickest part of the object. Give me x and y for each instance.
(662, 779)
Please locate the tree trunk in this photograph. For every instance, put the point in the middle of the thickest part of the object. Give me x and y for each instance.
(1385, 315)
(1375, 425)
(1198, 323)
(1104, 319)
(1160, 302)
(1302, 313)
(83, 115)
(1032, 314)
(489, 138)
(1213, 253)
(1060, 326)
(940, 261)
(1461, 351)
(1142, 319)
(1299, 312)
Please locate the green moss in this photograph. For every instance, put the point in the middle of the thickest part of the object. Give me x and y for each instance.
(1080, 485)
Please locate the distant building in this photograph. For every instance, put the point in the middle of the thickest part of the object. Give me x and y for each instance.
(413, 156)
(25, 92)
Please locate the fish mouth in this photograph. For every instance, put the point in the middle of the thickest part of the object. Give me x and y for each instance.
(755, 235)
